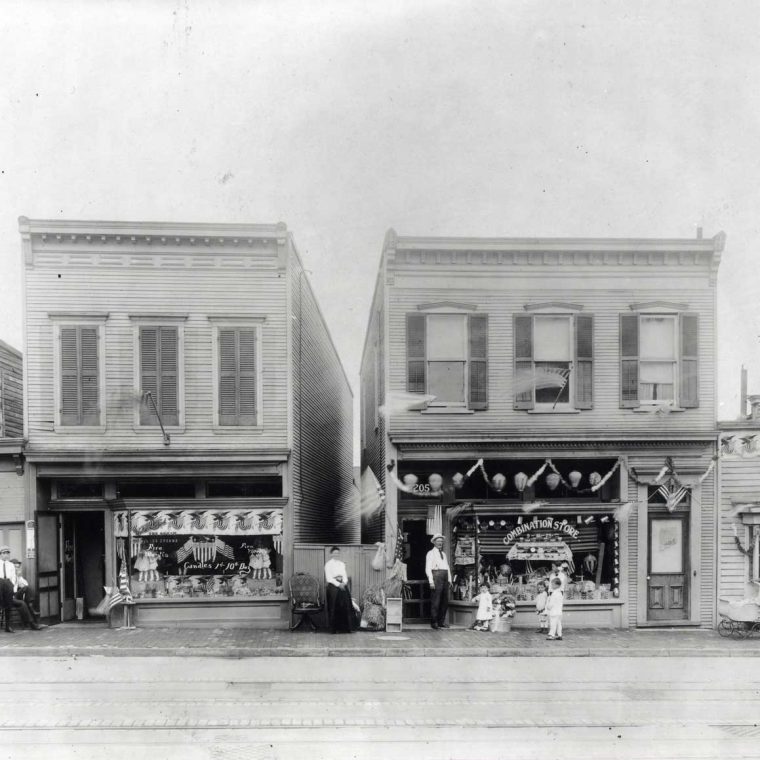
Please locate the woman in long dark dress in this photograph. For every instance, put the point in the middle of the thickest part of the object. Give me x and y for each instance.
(339, 607)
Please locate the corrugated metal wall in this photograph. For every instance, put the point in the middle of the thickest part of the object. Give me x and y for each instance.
(324, 506)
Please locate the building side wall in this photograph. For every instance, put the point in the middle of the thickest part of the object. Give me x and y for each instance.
(157, 281)
(11, 393)
(11, 492)
(739, 481)
(373, 423)
(324, 507)
(501, 297)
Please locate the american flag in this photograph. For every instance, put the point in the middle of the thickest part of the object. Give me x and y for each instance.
(673, 496)
(116, 598)
(399, 552)
(224, 549)
(124, 591)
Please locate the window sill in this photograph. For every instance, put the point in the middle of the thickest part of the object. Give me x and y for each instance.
(81, 429)
(447, 410)
(553, 411)
(232, 429)
(153, 429)
(654, 408)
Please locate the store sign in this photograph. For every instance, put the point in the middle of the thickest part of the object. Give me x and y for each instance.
(31, 548)
(562, 527)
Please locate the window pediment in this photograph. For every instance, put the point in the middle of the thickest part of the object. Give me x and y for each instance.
(447, 306)
(553, 307)
(658, 306)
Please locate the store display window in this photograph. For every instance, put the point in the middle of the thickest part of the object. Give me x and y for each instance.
(212, 553)
(513, 553)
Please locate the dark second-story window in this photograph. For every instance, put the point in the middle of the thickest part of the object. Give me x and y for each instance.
(80, 401)
(159, 374)
(237, 376)
(447, 357)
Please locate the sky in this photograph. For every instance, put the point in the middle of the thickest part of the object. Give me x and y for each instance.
(343, 119)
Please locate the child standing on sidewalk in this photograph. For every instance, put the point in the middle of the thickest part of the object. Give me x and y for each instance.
(541, 599)
(485, 608)
(554, 608)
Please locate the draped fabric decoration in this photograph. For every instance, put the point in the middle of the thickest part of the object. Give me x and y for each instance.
(623, 512)
(537, 474)
(606, 477)
(673, 495)
(434, 522)
(257, 521)
(120, 548)
(277, 543)
(402, 401)
(204, 551)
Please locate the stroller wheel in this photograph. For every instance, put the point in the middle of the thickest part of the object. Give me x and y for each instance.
(725, 628)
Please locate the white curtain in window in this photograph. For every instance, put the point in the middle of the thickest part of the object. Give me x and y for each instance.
(552, 339)
(447, 337)
(658, 338)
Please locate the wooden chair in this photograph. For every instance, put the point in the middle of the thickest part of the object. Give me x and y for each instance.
(304, 600)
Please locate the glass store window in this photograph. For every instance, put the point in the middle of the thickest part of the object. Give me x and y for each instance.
(200, 553)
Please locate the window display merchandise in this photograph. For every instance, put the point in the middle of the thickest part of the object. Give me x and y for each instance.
(201, 553)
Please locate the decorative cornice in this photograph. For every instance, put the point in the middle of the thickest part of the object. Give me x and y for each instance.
(149, 457)
(669, 305)
(600, 445)
(553, 305)
(447, 305)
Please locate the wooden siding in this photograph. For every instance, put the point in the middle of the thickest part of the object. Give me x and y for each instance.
(324, 507)
(11, 493)
(500, 299)
(11, 393)
(153, 280)
(373, 424)
(311, 558)
(739, 481)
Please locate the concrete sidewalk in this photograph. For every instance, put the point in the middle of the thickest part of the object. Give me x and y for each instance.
(83, 639)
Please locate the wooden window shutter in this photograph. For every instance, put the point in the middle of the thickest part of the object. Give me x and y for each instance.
(149, 374)
(478, 361)
(689, 361)
(584, 361)
(629, 360)
(523, 332)
(227, 377)
(247, 377)
(69, 411)
(415, 353)
(169, 375)
(89, 375)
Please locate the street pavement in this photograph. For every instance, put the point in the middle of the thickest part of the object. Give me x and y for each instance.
(447, 708)
(420, 641)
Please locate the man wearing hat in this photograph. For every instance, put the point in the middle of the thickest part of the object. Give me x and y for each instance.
(439, 576)
(7, 583)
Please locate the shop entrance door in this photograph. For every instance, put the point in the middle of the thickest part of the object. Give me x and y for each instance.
(668, 574)
(48, 567)
(417, 608)
(83, 573)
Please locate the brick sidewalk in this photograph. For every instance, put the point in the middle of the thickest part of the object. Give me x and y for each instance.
(94, 639)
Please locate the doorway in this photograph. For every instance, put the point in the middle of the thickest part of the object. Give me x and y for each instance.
(416, 547)
(82, 564)
(668, 571)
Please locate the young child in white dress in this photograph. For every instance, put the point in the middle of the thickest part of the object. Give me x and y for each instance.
(541, 599)
(485, 608)
(554, 608)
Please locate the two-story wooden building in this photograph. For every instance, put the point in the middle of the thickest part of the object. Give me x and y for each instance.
(11, 450)
(549, 400)
(187, 417)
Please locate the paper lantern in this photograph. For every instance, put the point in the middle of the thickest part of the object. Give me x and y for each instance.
(435, 481)
(458, 480)
(552, 480)
(498, 481)
(521, 480)
(491, 523)
(410, 480)
(574, 477)
(502, 523)
(595, 478)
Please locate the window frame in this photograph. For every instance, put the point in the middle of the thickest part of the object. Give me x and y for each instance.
(250, 323)
(674, 320)
(98, 321)
(139, 322)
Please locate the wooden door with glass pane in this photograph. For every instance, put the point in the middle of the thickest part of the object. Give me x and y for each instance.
(668, 576)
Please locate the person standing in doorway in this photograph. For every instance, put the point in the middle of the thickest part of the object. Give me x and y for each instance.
(439, 576)
(339, 605)
(7, 584)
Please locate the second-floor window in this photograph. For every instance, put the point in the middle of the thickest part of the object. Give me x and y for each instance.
(159, 374)
(659, 360)
(553, 361)
(238, 379)
(80, 369)
(447, 357)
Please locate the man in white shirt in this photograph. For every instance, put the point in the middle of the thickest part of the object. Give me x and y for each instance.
(7, 584)
(439, 576)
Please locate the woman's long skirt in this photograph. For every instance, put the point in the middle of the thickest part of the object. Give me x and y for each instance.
(339, 609)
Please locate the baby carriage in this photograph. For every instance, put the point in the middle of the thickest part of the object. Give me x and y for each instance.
(740, 617)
